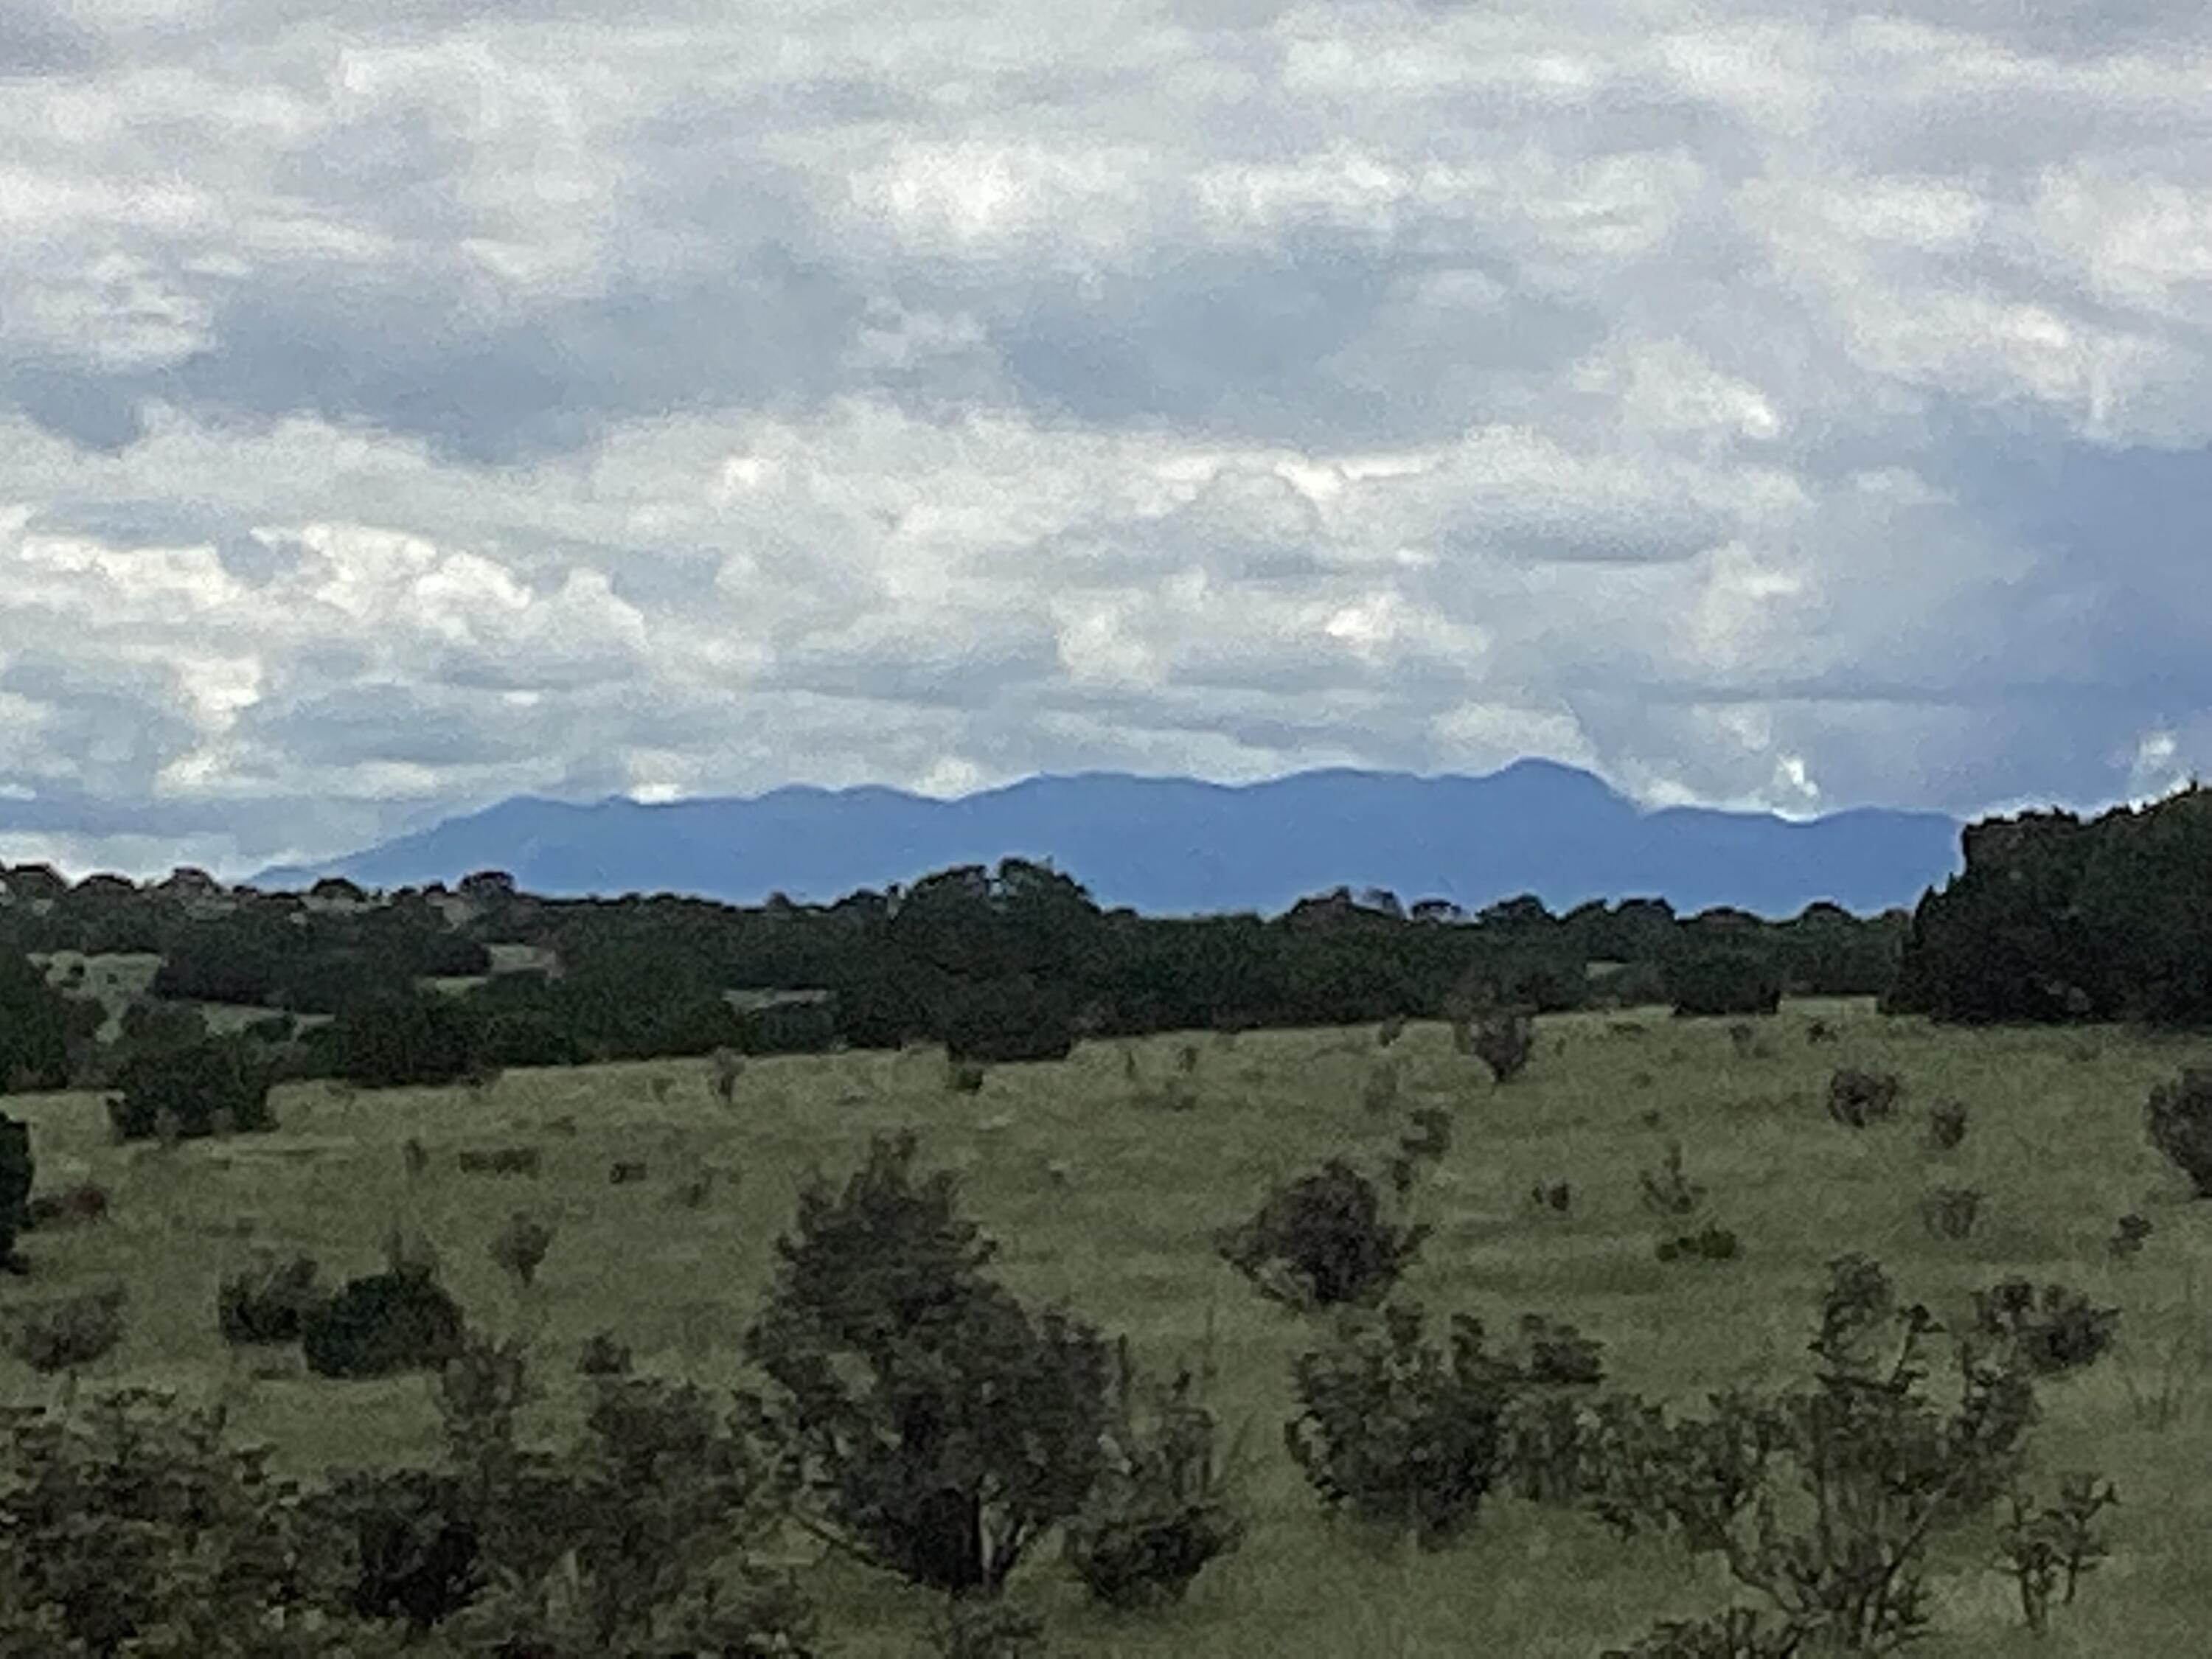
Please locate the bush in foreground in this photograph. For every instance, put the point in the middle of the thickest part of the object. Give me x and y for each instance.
(2180, 1120)
(941, 1427)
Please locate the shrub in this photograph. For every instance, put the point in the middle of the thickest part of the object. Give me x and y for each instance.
(1667, 1191)
(939, 1426)
(415, 1554)
(2061, 1331)
(2128, 1233)
(1738, 1633)
(1710, 1243)
(1825, 1499)
(1160, 1512)
(1560, 1196)
(67, 1332)
(1951, 1212)
(602, 1356)
(1320, 1242)
(2180, 1123)
(1503, 1039)
(267, 1302)
(132, 1529)
(1858, 1099)
(18, 1172)
(500, 1160)
(1724, 983)
(388, 1322)
(623, 1172)
(1379, 1094)
(963, 1079)
(202, 1089)
(1946, 1125)
(1398, 1434)
(2048, 1548)
(87, 1201)
(519, 1248)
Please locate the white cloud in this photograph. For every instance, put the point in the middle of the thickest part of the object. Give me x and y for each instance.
(400, 411)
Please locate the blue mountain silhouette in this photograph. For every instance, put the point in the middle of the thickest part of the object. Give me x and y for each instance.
(1181, 847)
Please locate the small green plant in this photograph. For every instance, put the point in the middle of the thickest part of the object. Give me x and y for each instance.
(1503, 1039)
(519, 1248)
(1667, 1191)
(1161, 1511)
(1559, 1196)
(1738, 1633)
(602, 1356)
(2129, 1234)
(1710, 1243)
(1858, 1099)
(1951, 1212)
(1946, 1125)
(963, 1078)
(2050, 1548)
(1379, 1094)
(2180, 1120)
(2058, 1331)
(267, 1302)
(729, 1068)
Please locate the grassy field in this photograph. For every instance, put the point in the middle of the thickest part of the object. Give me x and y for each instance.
(2057, 1143)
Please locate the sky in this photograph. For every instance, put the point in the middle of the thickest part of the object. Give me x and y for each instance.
(408, 405)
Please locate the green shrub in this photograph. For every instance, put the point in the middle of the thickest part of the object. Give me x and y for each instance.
(520, 1246)
(1322, 1241)
(67, 1332)
(1160, 1512)
(267, 1302)
(133, 1530)
(1398, 1434)
(1858, 1099)
(2180, 1122)
(1710, 1243)
(384, 1323)
(940, 1426)
(18, 1172)
(2059, 1331)
(1503, 1039)
(205, 1090)
(1951, 1212)
(1946, 1125)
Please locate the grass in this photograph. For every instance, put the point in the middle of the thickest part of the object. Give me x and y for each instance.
(2056, 1143)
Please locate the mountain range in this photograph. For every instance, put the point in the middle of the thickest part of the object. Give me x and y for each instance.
(1183, 847)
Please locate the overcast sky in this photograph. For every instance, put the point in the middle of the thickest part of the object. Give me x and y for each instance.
(405, 406)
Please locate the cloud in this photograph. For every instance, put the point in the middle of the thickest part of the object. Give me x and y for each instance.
(1765, 404)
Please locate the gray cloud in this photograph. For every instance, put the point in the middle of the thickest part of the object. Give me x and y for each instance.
(1759, 402)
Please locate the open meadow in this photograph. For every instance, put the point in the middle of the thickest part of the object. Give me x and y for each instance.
(1102, 1195)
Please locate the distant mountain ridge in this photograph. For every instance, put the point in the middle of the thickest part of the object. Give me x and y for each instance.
(1180, 846)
